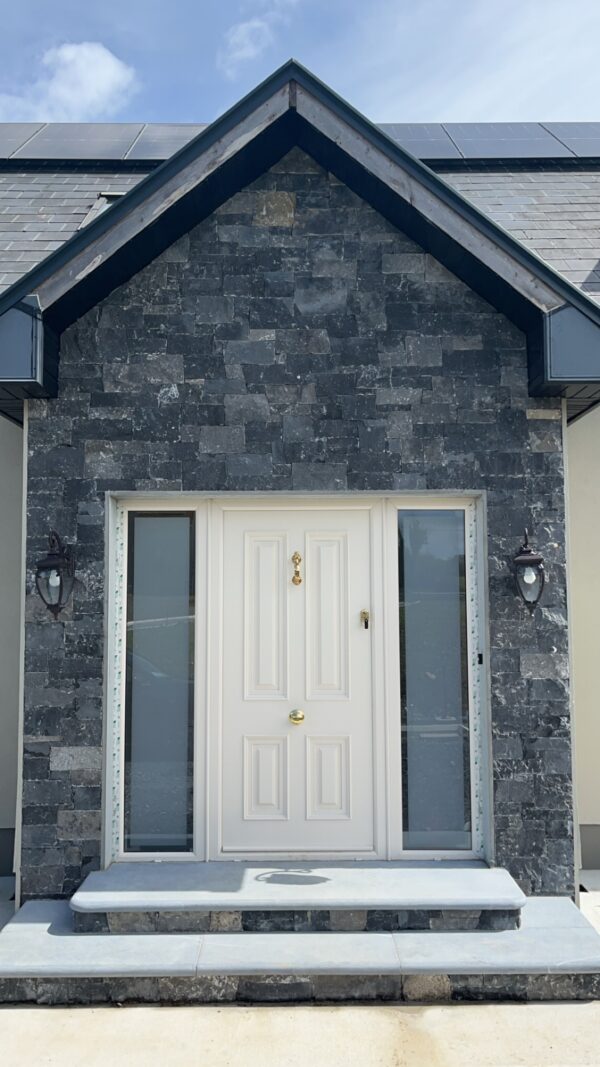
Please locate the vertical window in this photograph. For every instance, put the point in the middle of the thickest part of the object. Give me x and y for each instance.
(159, 707)
(436, 787)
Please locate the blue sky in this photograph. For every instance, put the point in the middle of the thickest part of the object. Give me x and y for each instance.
(396, 60)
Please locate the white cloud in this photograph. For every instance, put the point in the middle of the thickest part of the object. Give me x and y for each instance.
(243, 41)
(249, 39)
(79, 83)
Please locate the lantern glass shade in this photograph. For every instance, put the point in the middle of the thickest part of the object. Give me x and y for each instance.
(55, 575)
(530, 575)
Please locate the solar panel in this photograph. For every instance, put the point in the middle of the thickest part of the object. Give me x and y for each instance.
(425, 140)
(583, 138)
(14, 134)
(156, 141)
(505, 140)
(81, 140)
(159, 140)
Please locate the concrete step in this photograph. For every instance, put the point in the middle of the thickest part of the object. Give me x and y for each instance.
(297, 897)
(555, 955)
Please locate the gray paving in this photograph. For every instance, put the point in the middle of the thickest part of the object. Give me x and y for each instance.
(298, 954)
(555, 939)
(253, 886)
(39, 942)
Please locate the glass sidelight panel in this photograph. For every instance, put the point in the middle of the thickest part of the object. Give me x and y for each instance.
(436, 783)
(159, 719)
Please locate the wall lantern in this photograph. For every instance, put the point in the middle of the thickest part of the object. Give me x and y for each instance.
(529, 569)
(55, 575)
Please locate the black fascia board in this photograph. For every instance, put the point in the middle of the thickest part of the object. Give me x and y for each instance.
(241, 169)
(252, 159)
(236, 172)
(292, 73)
(148, 185)
(458, 260)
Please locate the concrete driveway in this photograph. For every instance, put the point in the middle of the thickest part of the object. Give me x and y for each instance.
(537, 1035)
(488, 1035)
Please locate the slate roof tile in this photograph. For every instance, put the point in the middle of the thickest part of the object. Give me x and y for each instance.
(39, 211)
(553, 208)
(561, 222)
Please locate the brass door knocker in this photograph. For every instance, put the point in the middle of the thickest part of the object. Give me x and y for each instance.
(296, 560)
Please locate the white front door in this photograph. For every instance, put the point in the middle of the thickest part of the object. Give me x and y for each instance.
(297, 744)
(213, 646)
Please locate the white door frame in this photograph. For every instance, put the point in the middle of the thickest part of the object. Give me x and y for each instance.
(210, 510)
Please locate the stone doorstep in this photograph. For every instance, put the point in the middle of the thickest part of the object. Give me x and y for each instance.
(555, 955)
(279, 921)
(432, 889)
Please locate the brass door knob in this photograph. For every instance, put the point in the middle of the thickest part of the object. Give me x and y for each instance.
(296, 716)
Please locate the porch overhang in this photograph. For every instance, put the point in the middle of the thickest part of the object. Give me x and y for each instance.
(292, 108)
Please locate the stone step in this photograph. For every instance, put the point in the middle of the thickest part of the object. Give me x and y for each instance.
(280, 921)
(554, 956)
(227, 897)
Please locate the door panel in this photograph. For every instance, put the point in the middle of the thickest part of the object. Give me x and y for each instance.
(327, 621)
(265, 635)
(285, 787)
(265, 777)
(328, 775)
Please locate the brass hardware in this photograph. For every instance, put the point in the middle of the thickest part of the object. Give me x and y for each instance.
(296, 716)
(364, 618)
(296, 560)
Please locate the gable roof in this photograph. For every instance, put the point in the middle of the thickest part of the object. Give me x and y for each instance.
(293, 107)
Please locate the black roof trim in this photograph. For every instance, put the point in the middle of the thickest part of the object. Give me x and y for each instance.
(292, 72)
(303, 108)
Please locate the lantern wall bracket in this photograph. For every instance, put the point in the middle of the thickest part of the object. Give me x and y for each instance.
(55, 574)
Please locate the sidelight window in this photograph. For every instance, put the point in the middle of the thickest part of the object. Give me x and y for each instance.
(159, 694)
(434, 681)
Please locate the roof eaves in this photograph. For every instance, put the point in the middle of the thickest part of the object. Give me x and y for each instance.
(294, 74)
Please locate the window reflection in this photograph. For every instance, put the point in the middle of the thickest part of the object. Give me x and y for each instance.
(159, 683)
(434, 680)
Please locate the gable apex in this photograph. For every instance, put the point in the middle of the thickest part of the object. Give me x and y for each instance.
(292, 107)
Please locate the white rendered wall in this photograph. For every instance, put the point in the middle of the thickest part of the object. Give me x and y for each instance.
(11, 444)
(583, 439)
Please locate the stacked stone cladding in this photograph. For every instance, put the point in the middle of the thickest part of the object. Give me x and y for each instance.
(295, 341)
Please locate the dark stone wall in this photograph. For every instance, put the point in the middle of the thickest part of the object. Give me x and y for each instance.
(296, 341)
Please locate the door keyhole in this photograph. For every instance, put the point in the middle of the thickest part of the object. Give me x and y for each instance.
(364, 618)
